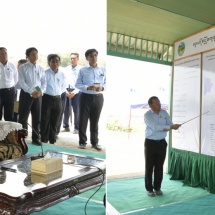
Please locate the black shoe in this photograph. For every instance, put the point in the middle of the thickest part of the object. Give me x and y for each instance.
(43, 141)
(82, 146)
(97, 147)
(37, 143)
(66, 130)
(158, 192)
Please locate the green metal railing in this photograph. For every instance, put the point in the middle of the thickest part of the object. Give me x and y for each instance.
(139, 49)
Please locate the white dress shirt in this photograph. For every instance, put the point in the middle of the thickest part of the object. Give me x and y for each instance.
(8, 75)
(31, 76)
(71, 76)
(56, 82)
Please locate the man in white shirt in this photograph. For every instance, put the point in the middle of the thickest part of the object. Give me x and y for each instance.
(8, 79)
(72, 102)
(32, 82)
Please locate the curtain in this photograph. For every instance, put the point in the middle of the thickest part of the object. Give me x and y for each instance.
(193, 169)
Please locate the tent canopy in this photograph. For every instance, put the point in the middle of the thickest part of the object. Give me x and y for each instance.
(155, 22)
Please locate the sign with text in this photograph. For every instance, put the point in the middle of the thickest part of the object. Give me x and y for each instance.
(200, 42)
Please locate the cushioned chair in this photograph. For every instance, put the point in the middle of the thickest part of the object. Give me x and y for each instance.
(12, 140)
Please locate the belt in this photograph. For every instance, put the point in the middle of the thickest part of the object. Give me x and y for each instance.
(98, 94)
(53, 97)
(155, 140)
(7, 88)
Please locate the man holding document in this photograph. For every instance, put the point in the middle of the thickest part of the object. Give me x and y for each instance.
(158, 123)
(32, 82)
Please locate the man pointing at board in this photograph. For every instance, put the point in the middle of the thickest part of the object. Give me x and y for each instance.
(158, 123)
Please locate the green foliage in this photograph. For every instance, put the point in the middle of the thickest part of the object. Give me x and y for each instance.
(116, 126)
(65, 59)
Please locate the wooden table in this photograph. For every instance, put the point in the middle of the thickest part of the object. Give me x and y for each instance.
(23, 193)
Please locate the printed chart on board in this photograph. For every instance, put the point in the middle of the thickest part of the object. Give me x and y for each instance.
(186, 103)
(208, 104)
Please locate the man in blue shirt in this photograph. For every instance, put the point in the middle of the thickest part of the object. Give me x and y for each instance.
(158, 123)
(51, 101)
(32, 82)
(91, 82)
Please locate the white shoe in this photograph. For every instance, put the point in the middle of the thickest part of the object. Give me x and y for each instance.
(75, 131)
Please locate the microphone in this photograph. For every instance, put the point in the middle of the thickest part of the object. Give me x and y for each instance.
(39, 156)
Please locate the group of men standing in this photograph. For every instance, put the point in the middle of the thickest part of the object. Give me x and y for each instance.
(45, 93)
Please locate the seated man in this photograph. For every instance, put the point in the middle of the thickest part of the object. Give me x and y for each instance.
(12, 142)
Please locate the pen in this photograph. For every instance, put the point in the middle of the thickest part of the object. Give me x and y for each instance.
(8, 169)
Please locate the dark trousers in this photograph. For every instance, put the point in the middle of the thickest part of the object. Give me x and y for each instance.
(63, 102)
(67, 113)
(51, 110)
(155, 153)
(7, 96)
(74, 105)
(90, 109)
(29, 104)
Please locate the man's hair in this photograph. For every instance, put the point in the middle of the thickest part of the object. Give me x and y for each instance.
(52, 56)
(29, 50)
(151, 99)
(74, 53)
(49, 57)
(90, 51)
(1, 48)
(21, 61)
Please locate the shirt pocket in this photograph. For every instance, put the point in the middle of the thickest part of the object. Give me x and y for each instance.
(162, 121)
(9, 73)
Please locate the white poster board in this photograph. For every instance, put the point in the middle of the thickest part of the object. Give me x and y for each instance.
(208, 104)
(186, 103)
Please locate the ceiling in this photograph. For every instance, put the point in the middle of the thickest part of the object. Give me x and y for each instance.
(162, 21)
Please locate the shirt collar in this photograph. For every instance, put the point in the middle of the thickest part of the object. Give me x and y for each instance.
(53, 71)
(33, 65)
(154, 112)
(97, 66)
(3, 64)
(74, 67)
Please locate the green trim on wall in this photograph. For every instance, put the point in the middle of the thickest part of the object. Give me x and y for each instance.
(135, 57)
(121, 45)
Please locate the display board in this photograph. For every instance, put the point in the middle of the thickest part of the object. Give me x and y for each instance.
(186, 103)
(208, 104)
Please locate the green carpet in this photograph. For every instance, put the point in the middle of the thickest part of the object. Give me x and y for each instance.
(130, 194)
(204, 205)
(76, 204)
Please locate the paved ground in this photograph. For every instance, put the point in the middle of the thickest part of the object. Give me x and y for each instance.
(124, 151)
